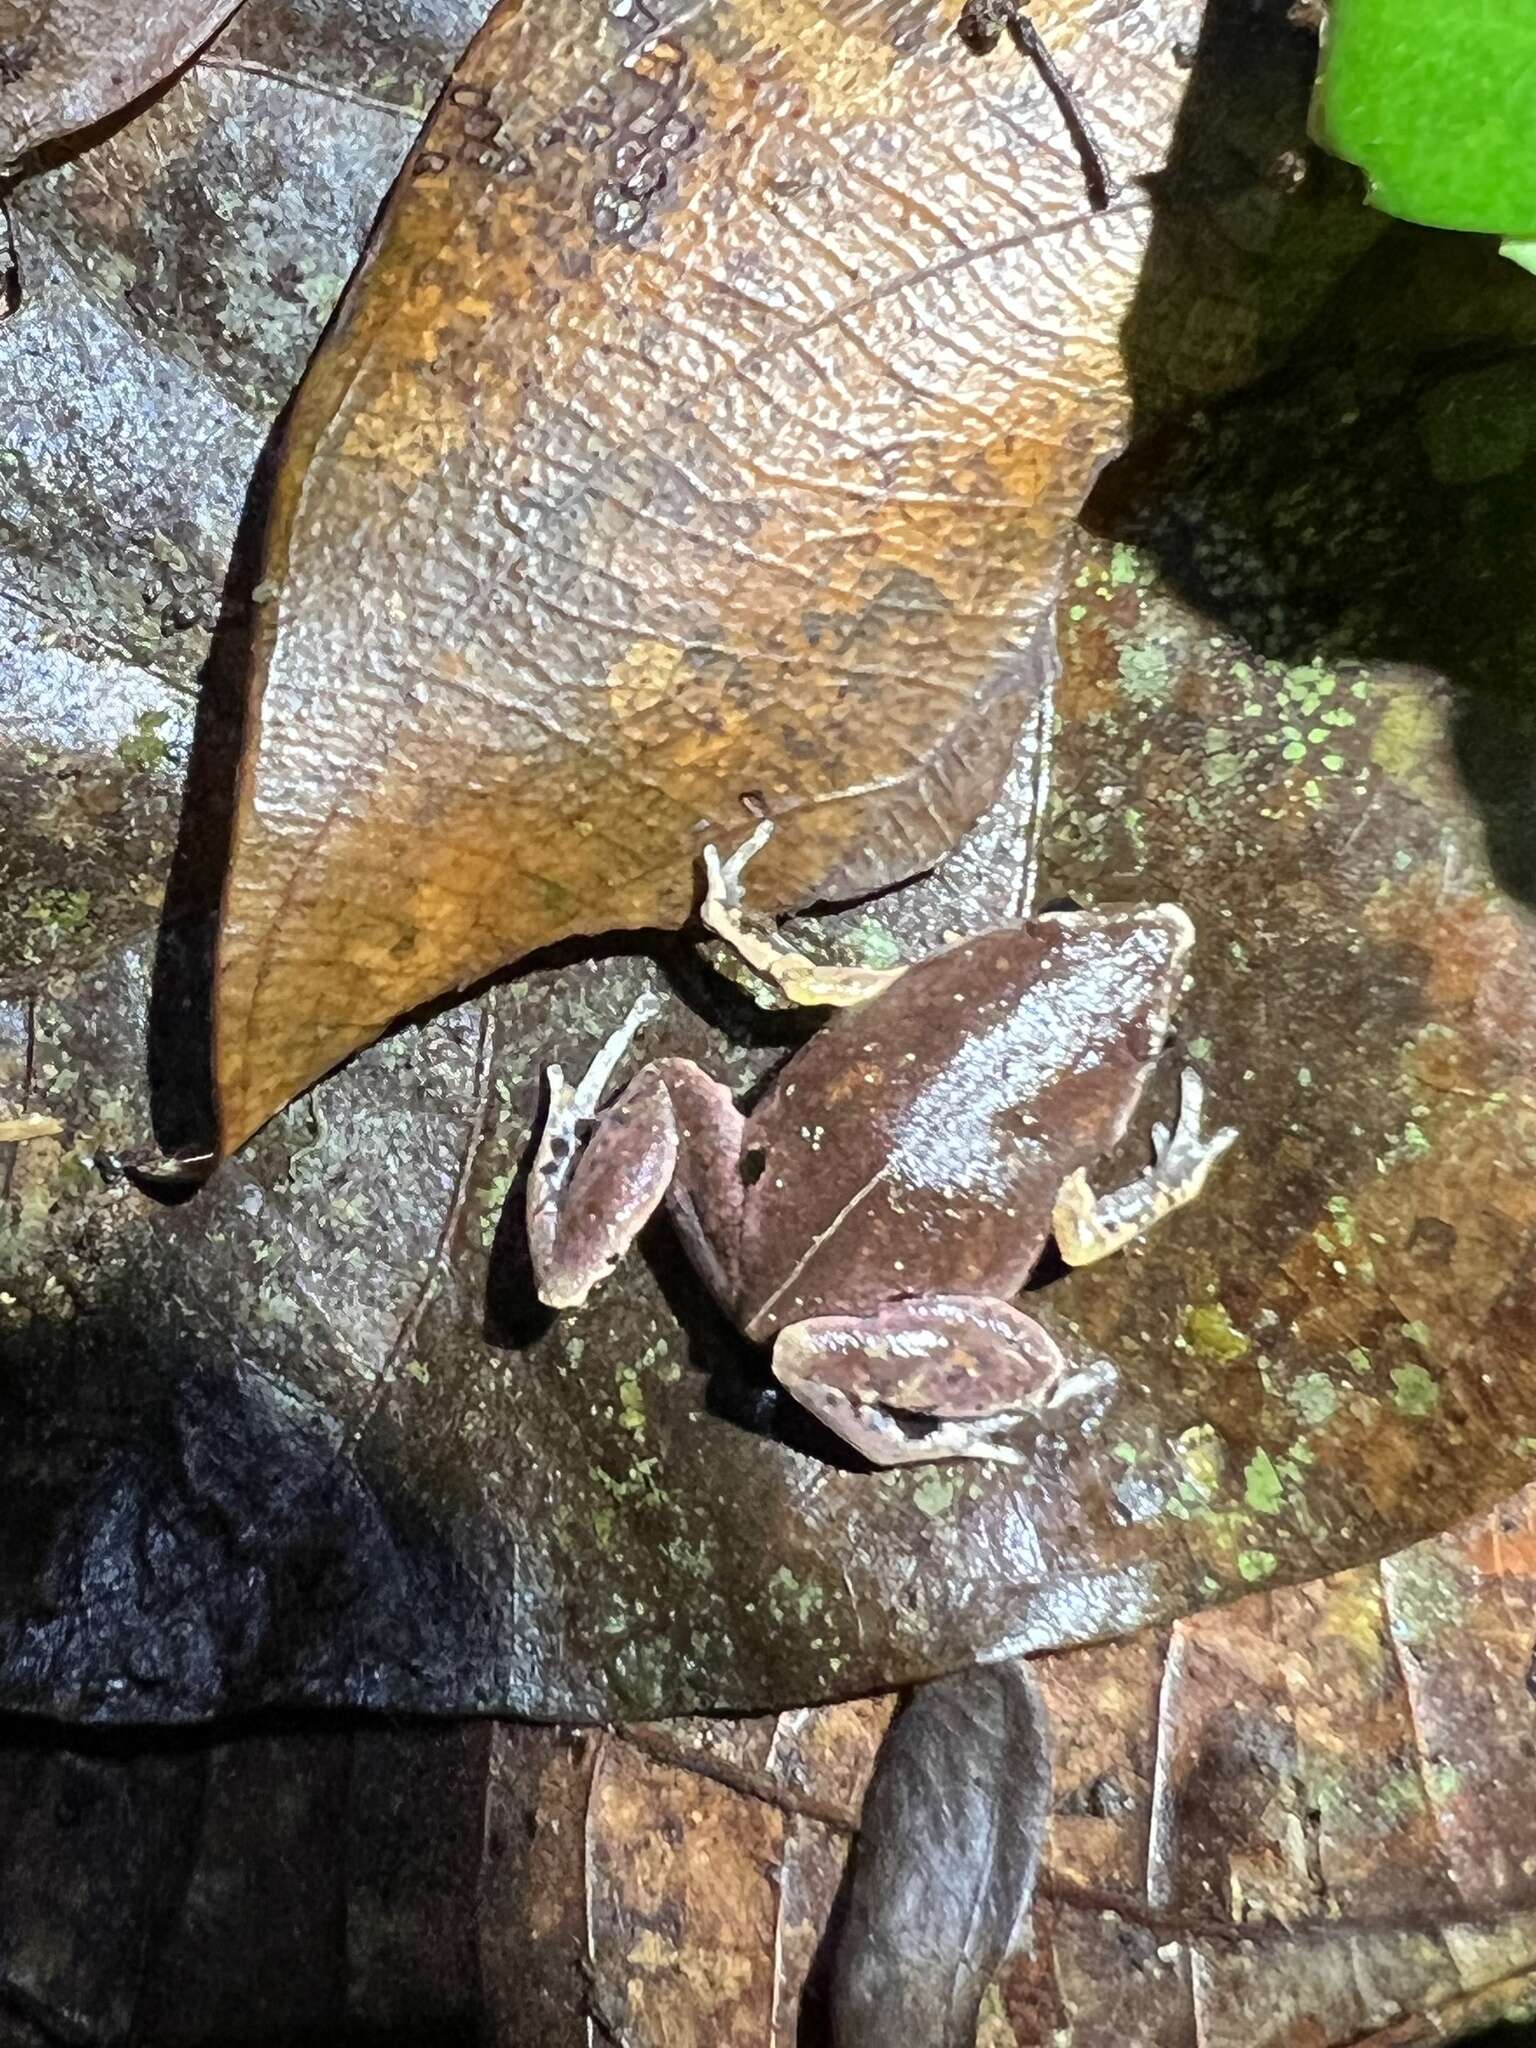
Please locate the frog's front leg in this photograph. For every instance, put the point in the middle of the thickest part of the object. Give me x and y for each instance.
(797, 979)
(673, 1133)
(1089, 1226)
(939, 1377)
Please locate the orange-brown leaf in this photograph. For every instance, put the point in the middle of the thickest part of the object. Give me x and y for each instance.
(703, 433)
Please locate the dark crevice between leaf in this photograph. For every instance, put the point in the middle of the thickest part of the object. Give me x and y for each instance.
(1362, 484)
(739, 1386)
(426, 2029)
(183, 1103)
(515, 1318)
(12, 291)
(815, 2027)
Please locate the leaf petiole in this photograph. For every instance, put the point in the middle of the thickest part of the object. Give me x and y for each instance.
(981, 25)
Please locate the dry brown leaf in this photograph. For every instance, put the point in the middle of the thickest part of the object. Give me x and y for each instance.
(703, 432)
(1305, 1812)
(66, 64)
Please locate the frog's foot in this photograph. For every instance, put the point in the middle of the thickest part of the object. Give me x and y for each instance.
(558, 1150)
(944, 1377)
(1089, 1227)
(588, 1202)
(796, 979)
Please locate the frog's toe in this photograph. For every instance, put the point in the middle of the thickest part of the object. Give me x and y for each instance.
(1187, 1149)
(1088, 1388)
(1191, 1104)
(585, 1100)
(724, 876)
(887, 1437)
(557, 1139)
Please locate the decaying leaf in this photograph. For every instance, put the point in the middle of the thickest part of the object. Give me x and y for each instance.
(1307, 1810)
(1303, 1818)
(66, 64)
(701, 437)
(944, 1873)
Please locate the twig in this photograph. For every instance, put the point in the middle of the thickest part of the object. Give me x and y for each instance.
(982, 23)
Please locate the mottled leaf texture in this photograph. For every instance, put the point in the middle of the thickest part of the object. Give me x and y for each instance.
(944, 1873)
(701, 437)
(66, 64)
(1301, 1822)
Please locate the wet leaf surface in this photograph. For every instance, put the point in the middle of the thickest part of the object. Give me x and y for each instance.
(701, 438)
(68, 64)
(1302, 1817)
(306, 1438)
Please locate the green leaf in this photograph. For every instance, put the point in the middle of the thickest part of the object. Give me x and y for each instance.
(1437, 105)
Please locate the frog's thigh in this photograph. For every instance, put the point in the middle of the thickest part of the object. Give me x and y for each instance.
(582, 1218)
(708, 1191)
(919, 1380)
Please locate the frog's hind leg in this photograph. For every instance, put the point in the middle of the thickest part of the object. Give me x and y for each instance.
(1089, 1226)
(587, 1202)
(673, 1133)
(915, 1381)
(796, 979)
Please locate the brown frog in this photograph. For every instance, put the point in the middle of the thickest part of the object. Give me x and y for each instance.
(871, 1217)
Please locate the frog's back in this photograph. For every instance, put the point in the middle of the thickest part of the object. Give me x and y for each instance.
(916, 1143)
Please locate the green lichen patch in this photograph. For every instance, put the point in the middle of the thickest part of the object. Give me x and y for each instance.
(1210, 1333)
(1414, 1390)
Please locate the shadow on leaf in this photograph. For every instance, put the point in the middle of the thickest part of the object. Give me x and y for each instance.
(1335, 446)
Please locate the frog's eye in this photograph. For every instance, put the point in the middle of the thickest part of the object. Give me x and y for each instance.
(753, 1163)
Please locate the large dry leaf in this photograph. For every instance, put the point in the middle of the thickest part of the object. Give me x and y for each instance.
(1304, 1818)
(702, 434)
(66, 64)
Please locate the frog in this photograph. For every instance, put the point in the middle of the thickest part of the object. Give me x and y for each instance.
(873, 1217)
